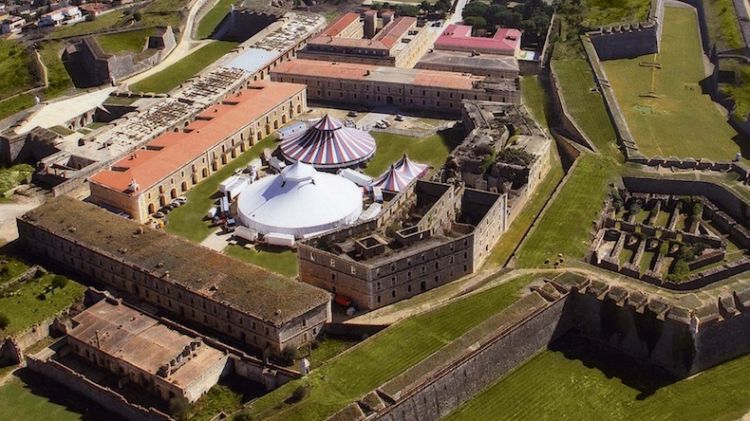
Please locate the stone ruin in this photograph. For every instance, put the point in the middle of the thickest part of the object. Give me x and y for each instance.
(674, 241)
(504, 151)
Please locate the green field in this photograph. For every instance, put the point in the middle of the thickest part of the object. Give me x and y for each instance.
(607, 12)
(26, 307)
(187, 220)
(174, 75)
(15, 65)
(59, 81)
(13, 105)
(276, 259)
(680, 121)
(212, 19)
(535, 99)
(156, 13)
(19, 403)
(565, 225)
(739, 89)
(575, 382)
(432, 150)
(723, 26)
(383, 356)
(124, 42)
(586, 106)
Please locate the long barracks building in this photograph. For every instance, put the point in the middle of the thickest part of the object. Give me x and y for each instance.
(370, 85)
(264, 311)
(169, 165)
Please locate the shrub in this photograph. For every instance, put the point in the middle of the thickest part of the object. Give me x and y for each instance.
(298, 394)
(315, 344)
(243, 416)
(4, 321)
(137, 16)
(59, 281)
(287, 355)
(179, 408)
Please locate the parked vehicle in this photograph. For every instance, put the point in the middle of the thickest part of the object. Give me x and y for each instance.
(351, 114)
(342, 300)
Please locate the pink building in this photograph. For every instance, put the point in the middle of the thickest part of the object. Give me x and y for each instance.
(507, 41)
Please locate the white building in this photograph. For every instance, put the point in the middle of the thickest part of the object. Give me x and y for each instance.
(13, 25)
(66, 16)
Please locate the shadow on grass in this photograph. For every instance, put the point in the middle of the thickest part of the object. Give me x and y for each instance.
(743, 142)
(452, 136)
(59, 395)
(267, 248)
(646, 379)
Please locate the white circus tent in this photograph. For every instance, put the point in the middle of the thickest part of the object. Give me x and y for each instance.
(328, 144)
(400, 174)
(300, 201)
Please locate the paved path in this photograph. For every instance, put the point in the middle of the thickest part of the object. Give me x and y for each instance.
(185, 47)
(216, 241)
(8, 214)
(59, 112)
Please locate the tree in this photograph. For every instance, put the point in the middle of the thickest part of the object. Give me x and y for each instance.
(137, 16)
(59, 282)
(179, 408)
(298, 394)
(4, 321)
(476, 22)
(243, 416)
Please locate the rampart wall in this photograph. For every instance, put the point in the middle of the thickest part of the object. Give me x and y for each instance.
(630, 39)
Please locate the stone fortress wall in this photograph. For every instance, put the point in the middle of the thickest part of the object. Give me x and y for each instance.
(631, 39)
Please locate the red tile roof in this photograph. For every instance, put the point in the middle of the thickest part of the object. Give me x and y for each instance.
(172, 150)
(341, 23)
(395, 30)
(458, 37)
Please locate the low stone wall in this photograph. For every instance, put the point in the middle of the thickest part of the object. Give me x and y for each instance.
(105, 397)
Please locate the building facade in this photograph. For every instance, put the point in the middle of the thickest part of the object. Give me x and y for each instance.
(369, 86)
(386, 260)
(169, 165)
(262, 311)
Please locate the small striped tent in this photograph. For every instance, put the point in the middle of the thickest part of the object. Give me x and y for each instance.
(400, 174)
(328, 144)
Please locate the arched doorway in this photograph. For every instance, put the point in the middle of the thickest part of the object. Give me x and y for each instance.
(151, 208)
(184, 186)
(389, 100)
(173, 193)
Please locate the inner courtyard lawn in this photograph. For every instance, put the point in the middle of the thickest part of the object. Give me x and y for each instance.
(575, 382)
(187, 220)
(383, 356)
(125, 42)
(15, 74)
(35, 301)
(432, 150)
(679, 121)
(174, 75)
(606, 12)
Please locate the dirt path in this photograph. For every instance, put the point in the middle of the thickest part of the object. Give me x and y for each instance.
(184, 48)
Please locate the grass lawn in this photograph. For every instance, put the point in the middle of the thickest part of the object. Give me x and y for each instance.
(578, 383)
(565, 225)
(19, 403)
(219, 398)
(432, 150)
(59, 81)
(124, 42)
(25, 308)
(10, 269)
(508, 242)
(187, 220)
(385, 355)
(681, 121)
(212, 19)
(723, 26)
(111, 20)
(61, 130)
(328, 348)
(276, 259)
(15, 74)
(607, 12)
(535, 99)
(16, 104)
(174, 75)
(13, 176)
(739, 89)
(587, 107)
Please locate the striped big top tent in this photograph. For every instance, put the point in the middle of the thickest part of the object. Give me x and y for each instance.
(328, 144)
(400, 174)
